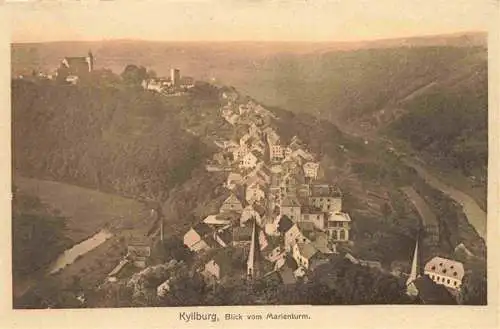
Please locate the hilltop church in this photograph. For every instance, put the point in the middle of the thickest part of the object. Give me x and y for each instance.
(74, 68)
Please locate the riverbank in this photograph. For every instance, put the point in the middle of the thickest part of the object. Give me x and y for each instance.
(475, 215)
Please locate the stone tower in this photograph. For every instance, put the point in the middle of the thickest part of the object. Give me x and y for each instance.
(175, 77)
(90, 61)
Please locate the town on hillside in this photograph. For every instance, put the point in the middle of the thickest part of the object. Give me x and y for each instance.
(287, 217)
(280, 213)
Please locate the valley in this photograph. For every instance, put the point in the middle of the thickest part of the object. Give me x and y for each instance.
(108, 160)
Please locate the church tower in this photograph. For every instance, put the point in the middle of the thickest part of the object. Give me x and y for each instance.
(254, 253)
(415, 272)
(90, 61)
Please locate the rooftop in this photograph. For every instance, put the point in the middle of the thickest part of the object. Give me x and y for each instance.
(307, 250)
(446, 267)
(290, 202)
(339, 217)
(284, 224)
(202, 229)
(325, 190)
(306, 226)
(310, 210)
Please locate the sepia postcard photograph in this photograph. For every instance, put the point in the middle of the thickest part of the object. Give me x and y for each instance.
(250, 163)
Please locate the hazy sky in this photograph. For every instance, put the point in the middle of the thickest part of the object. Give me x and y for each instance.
(214, 20)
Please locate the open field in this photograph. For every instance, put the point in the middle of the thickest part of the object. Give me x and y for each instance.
(87, 211)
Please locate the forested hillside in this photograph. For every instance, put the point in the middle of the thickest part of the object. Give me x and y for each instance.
(35, 225)
(434, 99)
(113, 138)
(450, 124)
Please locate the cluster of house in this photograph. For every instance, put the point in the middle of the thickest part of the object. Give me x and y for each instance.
(276, 206)
(169, 85)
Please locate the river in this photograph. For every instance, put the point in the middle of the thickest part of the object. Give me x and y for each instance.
(475, 215)
(70, 255)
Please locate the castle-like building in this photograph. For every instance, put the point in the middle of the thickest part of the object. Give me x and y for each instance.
(74, 68)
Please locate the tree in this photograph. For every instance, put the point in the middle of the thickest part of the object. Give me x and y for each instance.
(474, 289)
(151, 74)
(134, 75)
(173, 248)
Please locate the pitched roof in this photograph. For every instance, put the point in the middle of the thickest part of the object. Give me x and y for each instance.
(307, 250)
(232, 199)
(339, 217)
(445, 267)
(202, 229)
(290, 202)
(306, 226)
(216, 220)
(291, 263)
(72, 61)
(284, 224)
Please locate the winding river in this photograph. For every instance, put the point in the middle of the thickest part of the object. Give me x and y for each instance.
(475, 215)
(70, 255)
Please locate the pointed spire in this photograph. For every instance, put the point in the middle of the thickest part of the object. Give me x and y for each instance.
(415, 272)
(414, 266)
(254, 252)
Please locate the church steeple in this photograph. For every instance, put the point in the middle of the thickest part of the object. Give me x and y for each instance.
(415, 272)
(90, 60)
(253, 255)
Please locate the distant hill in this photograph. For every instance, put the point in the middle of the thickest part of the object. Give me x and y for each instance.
(231, 62)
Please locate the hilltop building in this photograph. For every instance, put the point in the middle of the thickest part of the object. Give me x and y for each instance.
(175, 77)
(74, 68)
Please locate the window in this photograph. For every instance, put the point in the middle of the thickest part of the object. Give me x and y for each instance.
(342, 235)
(442, 279)
(455, 283)
(448, 281)
(433, 268)
(455, 273)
